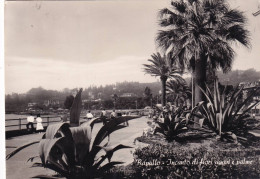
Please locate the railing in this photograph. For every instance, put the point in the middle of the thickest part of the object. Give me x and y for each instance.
(23, 122)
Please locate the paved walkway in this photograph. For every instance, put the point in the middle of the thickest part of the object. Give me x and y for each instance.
(18, 167)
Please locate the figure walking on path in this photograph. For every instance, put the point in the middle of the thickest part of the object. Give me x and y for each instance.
(103, 116)
(113, 115)
(39, 126)
(30, 120)
(126, 120)
(89, 116)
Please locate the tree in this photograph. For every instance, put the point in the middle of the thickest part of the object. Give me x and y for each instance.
(198, 34)
(68, 101)
(178, 90)
(115, 98)
(148, 95)
(161, 66)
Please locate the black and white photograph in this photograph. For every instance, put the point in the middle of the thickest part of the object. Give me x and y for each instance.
(131, 89)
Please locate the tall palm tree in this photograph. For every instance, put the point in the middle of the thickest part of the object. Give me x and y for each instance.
(161, 66)
(178, 90)
(198, 34)
(148, 96)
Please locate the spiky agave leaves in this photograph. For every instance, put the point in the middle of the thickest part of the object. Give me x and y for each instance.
(57, 150)
(222, 114)
(104, 132)
(19, 149)
(82, 138)
(68, 150)
(173, 125)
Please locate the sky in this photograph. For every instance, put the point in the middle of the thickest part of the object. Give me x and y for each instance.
(59, 45)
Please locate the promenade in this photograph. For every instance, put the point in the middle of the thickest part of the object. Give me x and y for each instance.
(18, 167)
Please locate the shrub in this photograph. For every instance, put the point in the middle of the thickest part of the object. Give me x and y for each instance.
(222, 113)
(174, 122)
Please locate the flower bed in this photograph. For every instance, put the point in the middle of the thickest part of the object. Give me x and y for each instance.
(168, 161)
(197, 158)
(161, 161)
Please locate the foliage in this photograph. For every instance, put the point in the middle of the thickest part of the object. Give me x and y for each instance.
(198, 34)
(237, 76)
(161, 66)
(193, 28)
(178, 91)
(68, 102)
(174, 122)
(224, 114)
(115, 98)
(148, 96)
(193, 163)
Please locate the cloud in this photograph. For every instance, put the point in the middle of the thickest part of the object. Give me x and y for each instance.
(77, 44)
(25, 73)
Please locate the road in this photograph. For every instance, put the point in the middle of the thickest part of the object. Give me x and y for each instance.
(18, 167)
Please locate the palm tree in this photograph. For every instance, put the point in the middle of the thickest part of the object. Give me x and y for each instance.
(161, 66)
(148, 96)
(198, 35)
(178, 90)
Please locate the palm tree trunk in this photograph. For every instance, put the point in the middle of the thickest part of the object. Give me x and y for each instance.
(200, 79)
(163, 80)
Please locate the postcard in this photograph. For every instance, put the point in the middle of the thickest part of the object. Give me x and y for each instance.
(131, 89)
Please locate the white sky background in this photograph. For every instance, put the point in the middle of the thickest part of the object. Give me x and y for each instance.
(76, 44)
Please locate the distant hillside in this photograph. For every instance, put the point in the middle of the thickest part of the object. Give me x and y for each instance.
(235, 77)
(18, 102)
(40, 96)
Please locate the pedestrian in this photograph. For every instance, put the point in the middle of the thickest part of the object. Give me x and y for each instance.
(30, 121)
(113, 115)
(89, 115)
(39, 126)
(150, 113)
(64, 117)
(125, 118)
(104, 116)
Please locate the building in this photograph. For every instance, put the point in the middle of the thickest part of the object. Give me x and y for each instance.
(128, 95)
(32, 104)
(51, 102)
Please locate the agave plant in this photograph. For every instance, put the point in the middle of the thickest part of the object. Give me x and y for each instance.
(223, 114)
(70, 152)
(174, 123)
